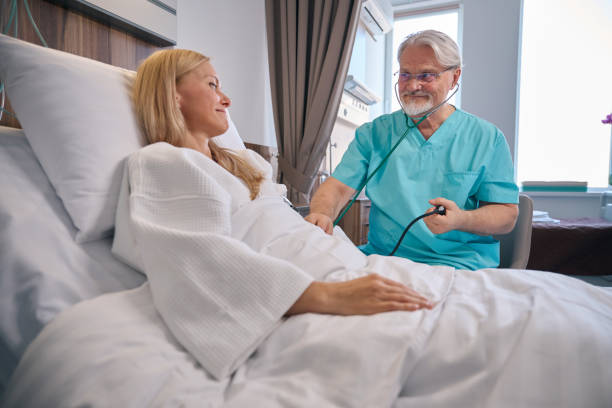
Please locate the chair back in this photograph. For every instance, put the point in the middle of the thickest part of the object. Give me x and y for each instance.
(514, 247)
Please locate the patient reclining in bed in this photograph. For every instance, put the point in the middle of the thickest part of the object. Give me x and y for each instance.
(228, 261)
(223, 252)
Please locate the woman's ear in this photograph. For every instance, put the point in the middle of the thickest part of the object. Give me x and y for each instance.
(177, 101)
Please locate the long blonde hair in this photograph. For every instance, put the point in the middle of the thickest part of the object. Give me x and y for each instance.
(160, 119)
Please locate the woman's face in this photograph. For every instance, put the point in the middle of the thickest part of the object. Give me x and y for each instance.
(201, 101)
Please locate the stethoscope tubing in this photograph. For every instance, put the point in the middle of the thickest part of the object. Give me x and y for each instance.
(409, 126)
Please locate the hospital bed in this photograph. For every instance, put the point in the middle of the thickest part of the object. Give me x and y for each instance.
(82, 323)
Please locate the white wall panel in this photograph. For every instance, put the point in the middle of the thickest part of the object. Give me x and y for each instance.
(233, 34)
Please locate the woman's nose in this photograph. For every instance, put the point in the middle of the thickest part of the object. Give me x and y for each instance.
(225, 100)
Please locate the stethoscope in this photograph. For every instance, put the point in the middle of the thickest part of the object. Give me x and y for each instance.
(409, 125)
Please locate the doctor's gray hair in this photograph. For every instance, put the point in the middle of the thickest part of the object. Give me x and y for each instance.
(445, 49)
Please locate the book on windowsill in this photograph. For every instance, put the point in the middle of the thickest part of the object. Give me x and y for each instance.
(554, 186)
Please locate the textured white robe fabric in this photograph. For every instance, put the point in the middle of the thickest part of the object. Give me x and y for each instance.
(222, 271)
(203, 281)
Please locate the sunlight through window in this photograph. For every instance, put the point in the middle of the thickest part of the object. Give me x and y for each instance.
(565, 91)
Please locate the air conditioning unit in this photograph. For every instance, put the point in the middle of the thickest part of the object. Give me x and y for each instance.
(377, 16)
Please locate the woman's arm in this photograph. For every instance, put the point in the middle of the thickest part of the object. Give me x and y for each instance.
(362, 296)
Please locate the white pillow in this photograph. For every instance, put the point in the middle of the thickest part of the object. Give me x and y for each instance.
(77, 116)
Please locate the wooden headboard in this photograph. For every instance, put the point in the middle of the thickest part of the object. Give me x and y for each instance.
(76, 33)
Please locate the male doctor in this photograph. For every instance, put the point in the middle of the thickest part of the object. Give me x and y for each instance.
(447, 157)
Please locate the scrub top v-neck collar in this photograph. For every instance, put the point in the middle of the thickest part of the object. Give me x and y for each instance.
(443, 133)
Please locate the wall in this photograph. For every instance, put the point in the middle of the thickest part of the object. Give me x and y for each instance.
(491, 41)
(241, 60)
(233, 34)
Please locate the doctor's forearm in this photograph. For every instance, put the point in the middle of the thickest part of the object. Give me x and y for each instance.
(329, 199)
(325, 203)
(490, 219)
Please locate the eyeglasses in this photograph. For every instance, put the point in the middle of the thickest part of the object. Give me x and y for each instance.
(426, 77)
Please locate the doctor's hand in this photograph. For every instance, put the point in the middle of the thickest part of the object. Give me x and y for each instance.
(452, 220)
(322, 221)
(362, 296)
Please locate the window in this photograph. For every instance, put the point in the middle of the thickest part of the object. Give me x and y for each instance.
(565, 91)
(446, 21)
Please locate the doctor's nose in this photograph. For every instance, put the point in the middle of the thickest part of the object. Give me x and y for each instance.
(411, 85)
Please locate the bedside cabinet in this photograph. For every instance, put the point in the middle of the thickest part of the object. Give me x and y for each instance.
(356, 221)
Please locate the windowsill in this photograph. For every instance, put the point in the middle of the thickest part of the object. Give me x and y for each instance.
(590, 193)
(568, 204)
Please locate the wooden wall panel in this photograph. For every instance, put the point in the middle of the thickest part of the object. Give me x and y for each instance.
(75, 33)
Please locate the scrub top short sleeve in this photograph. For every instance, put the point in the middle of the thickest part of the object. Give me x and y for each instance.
(353, 168)
(498, 185)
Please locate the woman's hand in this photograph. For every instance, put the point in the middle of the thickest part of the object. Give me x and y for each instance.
(363, 296)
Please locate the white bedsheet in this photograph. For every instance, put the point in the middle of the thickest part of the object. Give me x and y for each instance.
(496, 338)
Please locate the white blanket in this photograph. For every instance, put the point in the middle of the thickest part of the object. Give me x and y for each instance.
(223, 270)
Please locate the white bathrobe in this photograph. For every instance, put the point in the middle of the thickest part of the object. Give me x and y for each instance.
(175, 225)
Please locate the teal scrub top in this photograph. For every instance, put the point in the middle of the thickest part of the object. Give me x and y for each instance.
(467, 160)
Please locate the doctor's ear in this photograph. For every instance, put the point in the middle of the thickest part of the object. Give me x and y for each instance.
(457, 75)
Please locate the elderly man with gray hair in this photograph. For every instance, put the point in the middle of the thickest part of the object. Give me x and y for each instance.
(441, 156)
